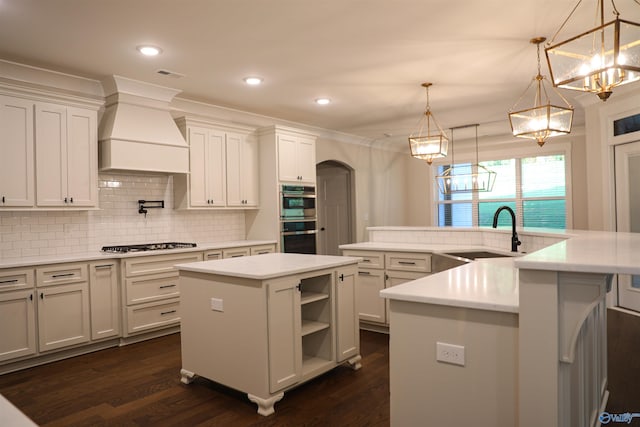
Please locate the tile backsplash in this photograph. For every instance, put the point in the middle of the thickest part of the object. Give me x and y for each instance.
(41, 233)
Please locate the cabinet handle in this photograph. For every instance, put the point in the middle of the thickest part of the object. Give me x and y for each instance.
(103, 266)
(298, 286)
(71, 200)
(167, 286)
(236, 256)
(167, 312)
(55, 276)
(341, 277)
(2, 199)
(9, 281)
(31, 297)
(262, 252)
(406, 263)
(41, 295)
(65, 200)
(366, 260)
(386, 276)
(364, 273)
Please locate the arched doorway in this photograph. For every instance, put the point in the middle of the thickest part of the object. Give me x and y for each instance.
(335, 206)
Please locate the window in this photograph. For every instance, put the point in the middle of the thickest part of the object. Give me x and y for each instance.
(534, 187)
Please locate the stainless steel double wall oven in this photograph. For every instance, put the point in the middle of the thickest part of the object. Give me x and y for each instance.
(298, 221)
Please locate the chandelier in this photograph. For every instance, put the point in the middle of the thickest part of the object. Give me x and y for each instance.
(599, 59)
(543, 119)
(433, 143)
(466, 179)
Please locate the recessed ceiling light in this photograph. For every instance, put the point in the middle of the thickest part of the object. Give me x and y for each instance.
(323, 101)
(148, 50)
(253, 81)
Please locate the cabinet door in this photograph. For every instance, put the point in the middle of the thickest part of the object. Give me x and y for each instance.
(82, 160)
(235, 196)
(198, 166)
(284, 326)
(51, 154)
(63, 316)
(105, 300)
(250, 172)
(371, 306)
(17, 324)
(16, 145)
(287, 162)
(306, 160)
(348, 330)
(216, 169)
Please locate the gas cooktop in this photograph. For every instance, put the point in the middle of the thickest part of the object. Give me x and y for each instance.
(147, 247)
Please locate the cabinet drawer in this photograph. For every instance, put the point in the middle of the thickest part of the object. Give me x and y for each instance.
(14, 278)
(61, 274)
(152, 287)
(263, 249)
(211, 255)
(408, 261)
(235, 252)
(153, 315)
(370, 259)
(157, 263)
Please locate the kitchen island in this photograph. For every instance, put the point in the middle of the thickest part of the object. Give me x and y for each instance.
(524, 338)
(265, 324)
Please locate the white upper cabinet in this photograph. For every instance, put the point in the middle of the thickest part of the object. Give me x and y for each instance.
(296, 159)
(223, 168)
(206, 158)
(66, 156)
(16, 145)
(242, 171)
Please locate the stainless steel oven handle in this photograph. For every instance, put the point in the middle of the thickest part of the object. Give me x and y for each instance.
(299, 195)
(294, 233)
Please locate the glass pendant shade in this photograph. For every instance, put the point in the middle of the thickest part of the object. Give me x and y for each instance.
(460, 180)
(430, 142)
(543, 117)
(598, 59)
(466, 178)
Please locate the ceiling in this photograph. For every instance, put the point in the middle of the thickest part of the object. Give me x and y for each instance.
(369, 56)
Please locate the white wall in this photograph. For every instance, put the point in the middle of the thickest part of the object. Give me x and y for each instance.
(382, 192)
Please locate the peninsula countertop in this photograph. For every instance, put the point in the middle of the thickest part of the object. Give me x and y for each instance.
(267, 266)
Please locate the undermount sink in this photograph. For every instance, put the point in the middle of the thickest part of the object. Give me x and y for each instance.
(478, 254)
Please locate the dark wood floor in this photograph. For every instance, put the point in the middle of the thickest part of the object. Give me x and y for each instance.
(139, 385)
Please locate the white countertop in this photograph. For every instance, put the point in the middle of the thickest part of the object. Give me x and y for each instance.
(422, 247)
(98, 255)
(488, 284)
(267, 266)
(11, 416)
(589, 252)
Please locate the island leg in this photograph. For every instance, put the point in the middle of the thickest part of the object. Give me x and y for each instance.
(187, 377)
(265, 406)
(354, 362)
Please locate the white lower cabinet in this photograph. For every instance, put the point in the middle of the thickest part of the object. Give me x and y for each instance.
(63, 316)
(104, 300)
(63, 306)
(18, 336)
(379, 270)
(286, 329)
(151, 296)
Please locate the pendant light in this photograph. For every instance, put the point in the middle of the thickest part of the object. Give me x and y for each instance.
(598, 59)
(466, 179)
(543, 119)
(433, 143)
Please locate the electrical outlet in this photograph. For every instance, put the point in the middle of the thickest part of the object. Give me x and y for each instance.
(450, 353)
(216, 304)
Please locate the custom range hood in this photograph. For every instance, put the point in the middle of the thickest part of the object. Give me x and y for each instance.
(137, 132)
